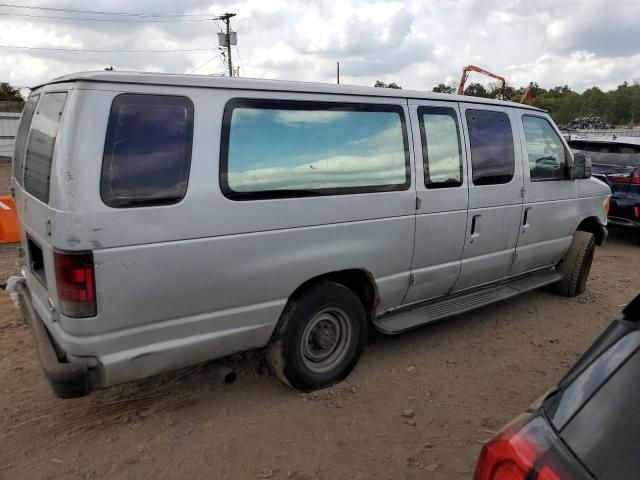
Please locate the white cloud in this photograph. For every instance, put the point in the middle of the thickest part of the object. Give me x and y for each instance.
(415, 43)
(579, 70)
(597, 27)
(353, 29)
(35, 35)
(296, 117)
(331, 172)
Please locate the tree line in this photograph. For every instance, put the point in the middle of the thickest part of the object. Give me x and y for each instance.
(620, 106)
(8, 93)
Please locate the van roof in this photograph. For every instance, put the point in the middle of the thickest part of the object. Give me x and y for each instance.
(207, 81)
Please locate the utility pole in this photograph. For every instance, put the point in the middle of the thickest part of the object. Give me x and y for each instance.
(338, 72)
(226, 18)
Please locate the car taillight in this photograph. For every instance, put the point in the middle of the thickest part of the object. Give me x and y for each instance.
(519, 452)
(619, 177)
(633, 177)
(75, 283)
(636, 211)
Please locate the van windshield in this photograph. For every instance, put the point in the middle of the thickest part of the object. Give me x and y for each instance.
(42, 140)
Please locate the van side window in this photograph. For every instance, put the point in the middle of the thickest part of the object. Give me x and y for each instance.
(147, 151)
(42, 141)
(441, 151)
(492, 152)
(545, 150)
(23, 135)
(275, 149)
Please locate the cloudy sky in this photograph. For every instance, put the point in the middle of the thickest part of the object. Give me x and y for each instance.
(416, 43)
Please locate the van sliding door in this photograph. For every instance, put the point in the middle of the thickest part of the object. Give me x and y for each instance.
(442, 197)
(495, 193)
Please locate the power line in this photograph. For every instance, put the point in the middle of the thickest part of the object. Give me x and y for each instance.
(205, 63)
(104, 51)
(100, 12)
(168, 20)
(244, 71)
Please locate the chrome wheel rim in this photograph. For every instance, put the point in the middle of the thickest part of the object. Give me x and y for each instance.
(326, 339)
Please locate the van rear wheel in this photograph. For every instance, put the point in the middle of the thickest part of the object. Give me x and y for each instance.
(576, 265)
(319, 338)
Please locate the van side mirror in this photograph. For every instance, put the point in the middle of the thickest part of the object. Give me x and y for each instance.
(581, 167)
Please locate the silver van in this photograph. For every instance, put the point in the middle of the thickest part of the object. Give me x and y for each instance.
(172, 219)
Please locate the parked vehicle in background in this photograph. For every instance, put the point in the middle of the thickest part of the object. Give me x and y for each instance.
(616, 161)
(173, 219)
(587, 427)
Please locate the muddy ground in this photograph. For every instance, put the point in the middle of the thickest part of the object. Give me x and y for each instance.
(458, 380)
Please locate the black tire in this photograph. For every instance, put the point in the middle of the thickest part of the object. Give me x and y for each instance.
(576, 265)
(311, 321)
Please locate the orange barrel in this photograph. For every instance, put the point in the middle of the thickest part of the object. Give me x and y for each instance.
(9, 232)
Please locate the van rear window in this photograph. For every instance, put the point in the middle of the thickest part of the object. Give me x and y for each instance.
(147, 152)
(23, 134)
(42, 141)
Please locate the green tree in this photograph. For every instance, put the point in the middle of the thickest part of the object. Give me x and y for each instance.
(444, 88)
(495, 91)
(476, 90)
(7, 92)
(380, 84)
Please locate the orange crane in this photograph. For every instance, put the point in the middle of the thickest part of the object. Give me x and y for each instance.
(527, 95)
(472, 68)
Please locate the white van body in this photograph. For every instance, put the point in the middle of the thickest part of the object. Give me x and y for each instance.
(208, 274)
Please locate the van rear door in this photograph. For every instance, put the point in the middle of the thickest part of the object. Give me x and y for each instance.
(32, 177)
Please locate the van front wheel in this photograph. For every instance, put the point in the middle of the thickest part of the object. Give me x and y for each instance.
(576, 265)
(319, 338)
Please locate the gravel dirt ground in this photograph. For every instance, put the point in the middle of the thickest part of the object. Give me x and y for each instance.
(417, 406)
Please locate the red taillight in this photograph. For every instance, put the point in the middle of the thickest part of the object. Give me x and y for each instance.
(515, 453)
(633, 177)
(636, 211)
(76, 284)
(619, 177)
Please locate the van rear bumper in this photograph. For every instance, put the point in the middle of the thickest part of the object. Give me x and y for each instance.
(67, 380)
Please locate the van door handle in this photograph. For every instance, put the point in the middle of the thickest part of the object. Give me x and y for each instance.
(525, 220)
(474, 233)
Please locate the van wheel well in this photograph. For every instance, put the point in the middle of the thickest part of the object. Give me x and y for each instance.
(360, 282)
(592, 225)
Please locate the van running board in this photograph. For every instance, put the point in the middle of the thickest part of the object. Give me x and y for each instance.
(427, 312)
